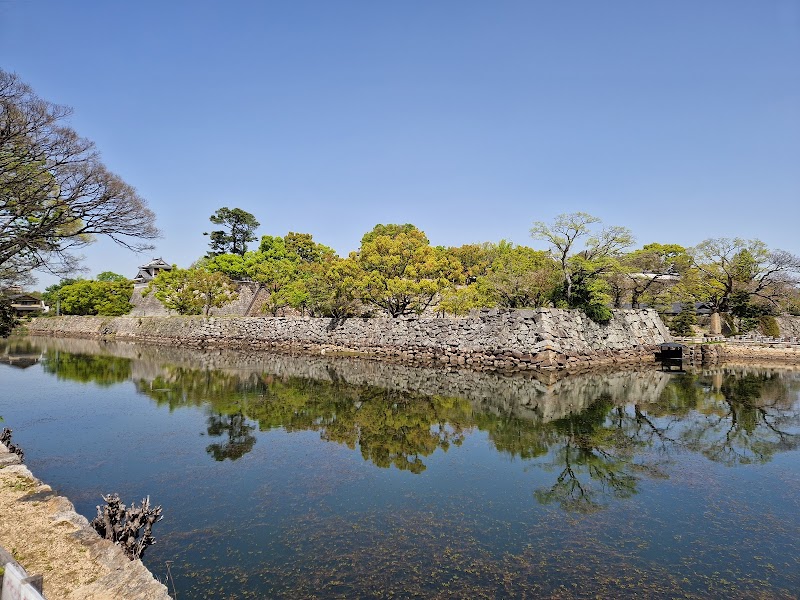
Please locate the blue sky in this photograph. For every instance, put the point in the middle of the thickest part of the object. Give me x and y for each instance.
(678, 119)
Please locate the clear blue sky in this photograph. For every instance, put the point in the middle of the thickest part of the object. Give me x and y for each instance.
(678, 119)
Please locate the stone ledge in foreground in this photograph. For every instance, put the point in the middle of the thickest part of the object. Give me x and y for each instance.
(51, 539)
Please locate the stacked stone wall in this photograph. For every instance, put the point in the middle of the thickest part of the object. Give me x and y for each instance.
(146, 305)
(789, 326)
(245, 304)
(489, 340)
(719, 352)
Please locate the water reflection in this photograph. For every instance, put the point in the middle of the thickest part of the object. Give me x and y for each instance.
(598, 434)
(19, 353)
(238, 436)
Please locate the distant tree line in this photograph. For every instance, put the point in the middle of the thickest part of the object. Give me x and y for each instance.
(397, 272)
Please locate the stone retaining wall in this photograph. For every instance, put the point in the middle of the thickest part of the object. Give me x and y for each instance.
(249, 302)
(789, 325)
(490, 340)
(739, 352)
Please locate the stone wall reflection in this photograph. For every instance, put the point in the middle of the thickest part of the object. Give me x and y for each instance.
(599, 433)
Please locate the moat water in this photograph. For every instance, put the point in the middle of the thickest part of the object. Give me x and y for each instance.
(291, 477)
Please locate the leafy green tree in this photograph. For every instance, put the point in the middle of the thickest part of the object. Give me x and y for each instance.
(282, 265)
(646, 271)
(279, 277)
(520, 277)
(111, 276)
(598, 255)
(52, 293)
(683, 322)
(390, 230)
(401, 273)
(192, 291)
(86, 297)
(305, 249)
(272, 247)
(332, 288)
(56, 196)
(732, 265)
(582, 268)
(474, 259)
(234, 266)
(459, 301)
(8, 319)
(591, 295)
(239, 227)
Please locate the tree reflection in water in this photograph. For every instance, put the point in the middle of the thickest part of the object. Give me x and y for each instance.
(598, 454)
(240, 439)
(87, 368)
(748, 421)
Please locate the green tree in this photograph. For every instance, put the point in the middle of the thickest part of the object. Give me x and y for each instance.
(232, 265)
(648, 270)
(683, 323)
(239, 227)
(111, 276)
(192, 291)
(52, 293)
(520, 277)
(332, 288)
(56, 196)
(401, 273)
(474, 259)
(280, 277)
(728, 266)
(282, 265)
(599, 252)
(305, 249)
(8, 319)
(459, 301)
(86, 297)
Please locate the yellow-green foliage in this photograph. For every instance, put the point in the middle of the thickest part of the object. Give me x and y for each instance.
(106, 298)
(192, 291)
(768, 325)
(401, 273)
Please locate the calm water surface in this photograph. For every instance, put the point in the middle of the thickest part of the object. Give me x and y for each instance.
(286, 477)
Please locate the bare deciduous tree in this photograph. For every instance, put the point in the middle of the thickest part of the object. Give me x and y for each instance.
(55, 193)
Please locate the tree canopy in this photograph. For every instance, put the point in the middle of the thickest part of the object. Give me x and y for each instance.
(582, 268)
(240, 228)
(732, 265)
(401, 273)
(56, 195)
(103, 297)
(192, 291)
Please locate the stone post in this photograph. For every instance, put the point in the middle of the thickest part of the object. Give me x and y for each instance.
(715, 327)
